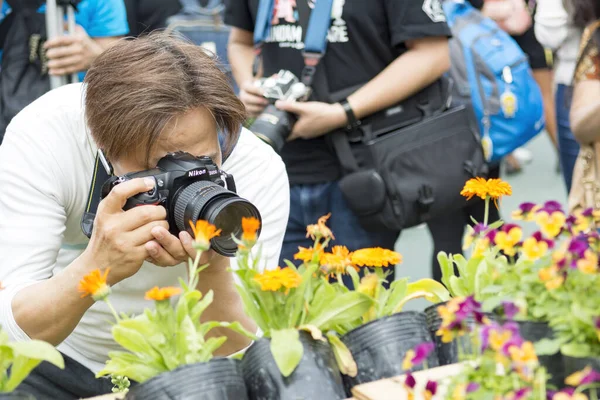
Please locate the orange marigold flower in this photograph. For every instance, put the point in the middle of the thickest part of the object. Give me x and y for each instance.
(338, 261)
(203, 233)
(320, 230)
(307, 255)
(275, 279)
(376, 257)
(492, 188)
(94, 284)
(249, 228)
(160, 294)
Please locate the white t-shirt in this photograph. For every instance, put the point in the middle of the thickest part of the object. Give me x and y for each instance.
(46, 164)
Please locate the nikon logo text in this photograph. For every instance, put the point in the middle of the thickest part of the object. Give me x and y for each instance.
(196, 173)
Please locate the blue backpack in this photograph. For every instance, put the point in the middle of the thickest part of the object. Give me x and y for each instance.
(491, 72)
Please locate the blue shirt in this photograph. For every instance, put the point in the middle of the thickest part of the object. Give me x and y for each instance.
(99, 18)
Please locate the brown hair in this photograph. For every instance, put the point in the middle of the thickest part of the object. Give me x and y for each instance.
(136, 87)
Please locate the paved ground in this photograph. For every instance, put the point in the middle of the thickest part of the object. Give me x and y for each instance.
(538, 182)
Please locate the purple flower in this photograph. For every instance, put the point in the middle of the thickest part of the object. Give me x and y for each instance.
(491, 235)
(521, 393)
(508, 227)
(422, 351)
(410, 381)
(472, 387)
(597, 323)
(588, 212)
(527, 207)
(591, 377)
(509, 309)
(431, 387)
(551, 206)
(578, 246)
(515, 340)
(550, 394)
(479, 229)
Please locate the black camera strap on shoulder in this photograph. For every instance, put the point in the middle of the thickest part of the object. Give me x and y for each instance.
(101, 175)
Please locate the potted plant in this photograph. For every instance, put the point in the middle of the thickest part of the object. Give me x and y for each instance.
(470, 276)
(18, 359)
(385, 334)
(297, 309)
(166, 351)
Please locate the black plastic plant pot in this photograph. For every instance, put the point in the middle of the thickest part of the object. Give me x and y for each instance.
(316, 377)
(379, 347)
(218, 379)
(536, 331)
(16, 396)
(448, 353)
(574, 364)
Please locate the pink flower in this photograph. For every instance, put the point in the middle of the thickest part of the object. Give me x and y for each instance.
(417, 355)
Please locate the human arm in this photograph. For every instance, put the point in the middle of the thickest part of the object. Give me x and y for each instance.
(100, 24)
(38, 164)
(425, 61)
(551, 23)
(585, 106)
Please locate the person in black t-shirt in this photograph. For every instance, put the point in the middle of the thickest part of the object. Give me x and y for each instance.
(145, 16)
(393, 48)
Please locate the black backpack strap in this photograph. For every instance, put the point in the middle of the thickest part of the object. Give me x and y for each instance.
(5, 27)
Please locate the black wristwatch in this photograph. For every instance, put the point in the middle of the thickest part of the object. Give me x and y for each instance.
(353, 123)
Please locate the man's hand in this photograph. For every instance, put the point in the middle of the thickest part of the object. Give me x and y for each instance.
(253, 99)
(314, 118)
(72, 53)
(119, 237)
(167, 250)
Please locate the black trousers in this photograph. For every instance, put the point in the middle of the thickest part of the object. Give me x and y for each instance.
(447, 231)
(47, 382)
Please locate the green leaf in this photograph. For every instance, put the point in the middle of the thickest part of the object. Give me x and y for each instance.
(209, 347)
(343, 357)
(132, 340)
(447, 268)
(38, 350)
(129, 365)
(578, 350)
(234, 326)
(461, 265)
(547, 347)
(287, 350)
(251, 308)
(397, 293)
(436, 292)
(457, 287)
(496, 225)
(343, 308)
(297, 299)
(20, 369)
(201, 306)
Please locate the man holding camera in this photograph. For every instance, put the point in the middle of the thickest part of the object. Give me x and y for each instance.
(143, 101)
(391, 49)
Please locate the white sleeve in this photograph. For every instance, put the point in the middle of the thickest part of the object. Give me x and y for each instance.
(32, 215)
(551, 23)
(261, 178)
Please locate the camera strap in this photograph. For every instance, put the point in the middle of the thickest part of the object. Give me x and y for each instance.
(100, 176)
(315, 41)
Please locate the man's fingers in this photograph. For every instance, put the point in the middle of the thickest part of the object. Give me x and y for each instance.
(64, 71)
(170, 243)
(251, 99)
(116, 199)
(188, 243)
(159, 256)
(143, 234)
(60, 41)
(251, 88)
(290, 106)
(63, 52)
(254, 110)
(65, 62)
(142, 215)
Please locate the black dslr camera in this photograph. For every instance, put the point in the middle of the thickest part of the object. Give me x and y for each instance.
(274, 126)
(191, 189)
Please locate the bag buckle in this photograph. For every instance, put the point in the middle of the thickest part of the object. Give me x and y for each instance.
(311, 60)
(425, 199)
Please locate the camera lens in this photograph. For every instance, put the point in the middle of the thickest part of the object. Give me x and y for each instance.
(273, 127)
(224, 209)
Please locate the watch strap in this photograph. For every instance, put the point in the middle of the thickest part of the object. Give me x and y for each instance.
(353, 123)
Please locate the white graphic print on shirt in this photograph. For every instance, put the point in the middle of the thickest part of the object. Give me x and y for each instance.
(434, 10)
(286, 31)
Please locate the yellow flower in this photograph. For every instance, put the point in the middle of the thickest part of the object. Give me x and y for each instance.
(407, 363)
(203, 233)
(498, 339)
(307, 255)
(492, 188)
(550, 225)
(575, 378)
(506, 241)
(249, 228)
(524, 354)
(582, 223)
(376, 257)
(320, 230)
(533, 250)
(275, 279)
(160, 294)
(447, 312)
(94, 284)
(550, 277)
(481, 246)
(459, 392)
(566, 396)
(338, 261)
(446, 335)
(589, 264)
